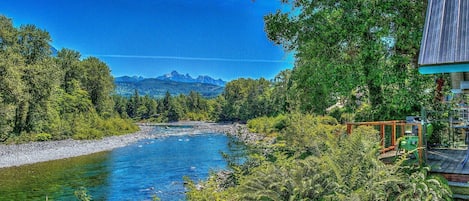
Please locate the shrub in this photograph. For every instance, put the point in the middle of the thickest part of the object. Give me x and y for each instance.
(364, 113)
(320, 162)
(22, 138)
(328, 120)
(267, 125)
(280, 122)
(196, 116)
(42, 137)
(88, 134)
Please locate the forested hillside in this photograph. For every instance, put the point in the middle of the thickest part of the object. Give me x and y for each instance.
(44, 97)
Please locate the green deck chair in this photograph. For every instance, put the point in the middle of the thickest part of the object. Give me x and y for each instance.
(410, 142)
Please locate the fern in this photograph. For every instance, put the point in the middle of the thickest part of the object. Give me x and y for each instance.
(320, 162)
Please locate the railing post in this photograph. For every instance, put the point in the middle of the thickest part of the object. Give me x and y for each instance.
(420, 144)
(402, 129)
(383, 140)
(349, 128)
(393, 134)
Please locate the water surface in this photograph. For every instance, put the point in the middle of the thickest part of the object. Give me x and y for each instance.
(136, 172)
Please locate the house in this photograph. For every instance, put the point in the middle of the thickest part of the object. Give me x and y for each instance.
(445, 49)
(445, 42)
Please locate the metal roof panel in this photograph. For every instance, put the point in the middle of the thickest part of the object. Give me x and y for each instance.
(445, 36)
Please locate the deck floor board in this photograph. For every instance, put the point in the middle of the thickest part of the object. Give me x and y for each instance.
(447, 161)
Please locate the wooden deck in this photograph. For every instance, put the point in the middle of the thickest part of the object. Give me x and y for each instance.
(448, 163)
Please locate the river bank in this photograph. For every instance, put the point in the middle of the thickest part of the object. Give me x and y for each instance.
(240, 131)
(34, 152)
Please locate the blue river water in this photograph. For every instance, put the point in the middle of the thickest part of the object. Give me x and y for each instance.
(140, 171)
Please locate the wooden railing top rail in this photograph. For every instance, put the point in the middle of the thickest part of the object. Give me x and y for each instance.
(378, 123)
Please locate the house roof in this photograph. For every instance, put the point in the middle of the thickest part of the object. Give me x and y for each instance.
(445, 41)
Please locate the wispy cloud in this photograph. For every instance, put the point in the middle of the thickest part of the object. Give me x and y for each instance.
(191, 58)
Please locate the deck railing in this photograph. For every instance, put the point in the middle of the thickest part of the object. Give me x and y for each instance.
(394, 135)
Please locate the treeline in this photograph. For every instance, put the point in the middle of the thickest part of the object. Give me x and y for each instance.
(242, 99)
(44, 97)
(168, 109)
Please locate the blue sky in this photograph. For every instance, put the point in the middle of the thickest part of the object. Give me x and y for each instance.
(221, 38)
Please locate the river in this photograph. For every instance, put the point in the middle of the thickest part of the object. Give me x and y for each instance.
(148, 168)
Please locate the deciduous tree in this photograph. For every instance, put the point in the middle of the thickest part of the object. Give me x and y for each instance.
(342, 46)
(99, 83)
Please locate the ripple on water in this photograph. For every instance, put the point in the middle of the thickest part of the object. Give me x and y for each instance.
(136, 172)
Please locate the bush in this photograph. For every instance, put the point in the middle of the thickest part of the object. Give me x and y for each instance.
(4, 136)
(22, 138)
(42, 137)
(267, 125)
(327, 120)
(88, 134)
(94, 127)
(196, 116)
(280, 122)
(364, 113)
(321, 162)
(118, 126)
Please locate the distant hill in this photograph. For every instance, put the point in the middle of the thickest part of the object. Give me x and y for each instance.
(157, 88)
(128, 79)
(175, 76)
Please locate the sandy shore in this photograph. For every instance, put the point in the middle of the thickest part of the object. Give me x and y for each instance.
(34, 152)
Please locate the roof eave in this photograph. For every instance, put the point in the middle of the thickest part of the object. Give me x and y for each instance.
(444, 68)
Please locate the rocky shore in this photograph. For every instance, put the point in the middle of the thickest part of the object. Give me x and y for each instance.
(240, 131)
(34, 152)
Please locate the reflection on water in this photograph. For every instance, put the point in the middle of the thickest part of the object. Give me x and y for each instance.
(136, 172)
(55, 179)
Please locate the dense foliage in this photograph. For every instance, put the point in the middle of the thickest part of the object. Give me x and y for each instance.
(355, 60)
(242, 99)
(170, 108)
(247, 99)
(362, 54)
(44, 97)
(313, 159)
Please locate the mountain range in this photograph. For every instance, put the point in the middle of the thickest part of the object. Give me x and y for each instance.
(173, 82)
(177, 77)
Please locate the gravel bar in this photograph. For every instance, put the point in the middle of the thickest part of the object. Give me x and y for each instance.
(34, 152)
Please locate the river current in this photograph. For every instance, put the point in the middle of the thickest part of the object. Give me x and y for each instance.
(140, 171)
